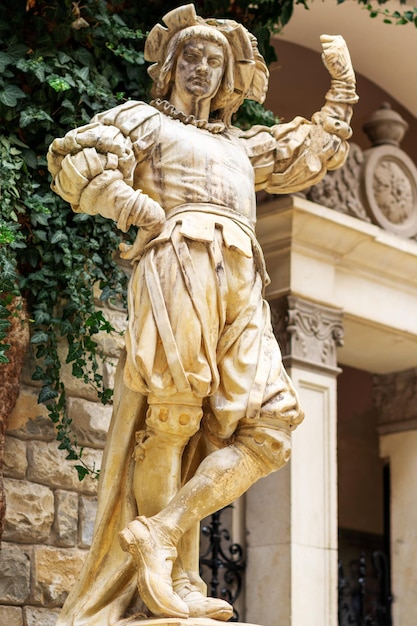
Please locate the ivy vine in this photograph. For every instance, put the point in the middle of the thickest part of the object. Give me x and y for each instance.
(60, 63)
(400, 18)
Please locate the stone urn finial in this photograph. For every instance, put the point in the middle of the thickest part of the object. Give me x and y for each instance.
(385, 126)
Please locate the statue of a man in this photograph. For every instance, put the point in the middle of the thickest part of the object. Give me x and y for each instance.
(201, 392)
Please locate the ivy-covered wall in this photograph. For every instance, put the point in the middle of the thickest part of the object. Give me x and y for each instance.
(50, 513)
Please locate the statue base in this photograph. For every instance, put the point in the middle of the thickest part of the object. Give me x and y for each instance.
(175, 621)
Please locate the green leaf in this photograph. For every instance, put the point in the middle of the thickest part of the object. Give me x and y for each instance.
(59, 84)
(46, 394)
(72, 455)
(41, 235)
(82, 472)
(39, 336)
(17, 50)
(33, 115)
(83, 73)
(5, 60)
(10, 95)
(58, 237)
(63, 58)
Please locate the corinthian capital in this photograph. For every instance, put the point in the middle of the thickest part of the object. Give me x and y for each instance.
(307, 332)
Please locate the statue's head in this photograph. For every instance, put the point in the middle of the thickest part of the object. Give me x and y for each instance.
(166, 76)
(245, 74)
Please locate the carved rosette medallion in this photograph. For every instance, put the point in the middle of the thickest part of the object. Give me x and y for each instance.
(389, 185)
(307, 332)
(395, 398)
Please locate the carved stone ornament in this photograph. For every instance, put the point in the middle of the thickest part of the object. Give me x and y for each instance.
(340, 189)
(379, 184)
(389, 177)
(389, 185)
(307, 331)
(395, 398)
(385, 126)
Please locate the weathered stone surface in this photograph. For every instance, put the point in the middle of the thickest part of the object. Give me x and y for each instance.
(109, 373)
(15, 462)
(11, 616)
(15, 574)
(30, 511)
(90, 421)
(88, 510)
(54, 573)
(35, 616)
(112, 343)
(66, 518)
(29, 367)
(48, 466)
(17, 339)
(75, 386)
(29, 420)
(395, 398)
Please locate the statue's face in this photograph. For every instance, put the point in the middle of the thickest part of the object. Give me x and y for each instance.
(199, 69)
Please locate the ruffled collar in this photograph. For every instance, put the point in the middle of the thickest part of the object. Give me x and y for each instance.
(168, 109)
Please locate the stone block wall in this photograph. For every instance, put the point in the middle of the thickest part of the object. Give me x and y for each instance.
(50, 513)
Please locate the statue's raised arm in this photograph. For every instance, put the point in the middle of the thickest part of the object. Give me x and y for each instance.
(302, 151)
(336, 59)
(203, 405)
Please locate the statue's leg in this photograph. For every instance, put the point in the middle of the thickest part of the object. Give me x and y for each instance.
(158, 453)
(187, 581)
(157, 479)
(222, 477)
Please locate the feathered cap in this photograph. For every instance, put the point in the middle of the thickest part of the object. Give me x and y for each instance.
(250, 71)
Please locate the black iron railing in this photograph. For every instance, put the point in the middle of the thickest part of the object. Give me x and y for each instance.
(364, 593)
(363, 589)
(222, 562)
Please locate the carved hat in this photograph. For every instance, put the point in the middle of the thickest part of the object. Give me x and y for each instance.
(250, 74)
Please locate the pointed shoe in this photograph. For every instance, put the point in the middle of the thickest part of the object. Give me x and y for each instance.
(200, 605)
(154, 560)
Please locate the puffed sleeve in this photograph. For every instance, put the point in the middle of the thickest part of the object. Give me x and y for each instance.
(93, 166)
(290, 157)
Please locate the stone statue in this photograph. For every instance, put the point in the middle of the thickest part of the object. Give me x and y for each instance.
(202, 401)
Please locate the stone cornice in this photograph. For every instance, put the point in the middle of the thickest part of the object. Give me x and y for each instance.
(346, 264)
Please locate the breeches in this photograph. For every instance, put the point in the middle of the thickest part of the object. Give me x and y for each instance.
(200, 335)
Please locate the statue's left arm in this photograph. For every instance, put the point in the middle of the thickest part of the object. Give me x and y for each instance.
(298, 154)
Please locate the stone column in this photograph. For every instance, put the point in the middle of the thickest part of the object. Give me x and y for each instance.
(396, 401)
(292, 514)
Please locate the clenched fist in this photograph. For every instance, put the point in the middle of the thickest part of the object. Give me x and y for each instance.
(336, 58)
